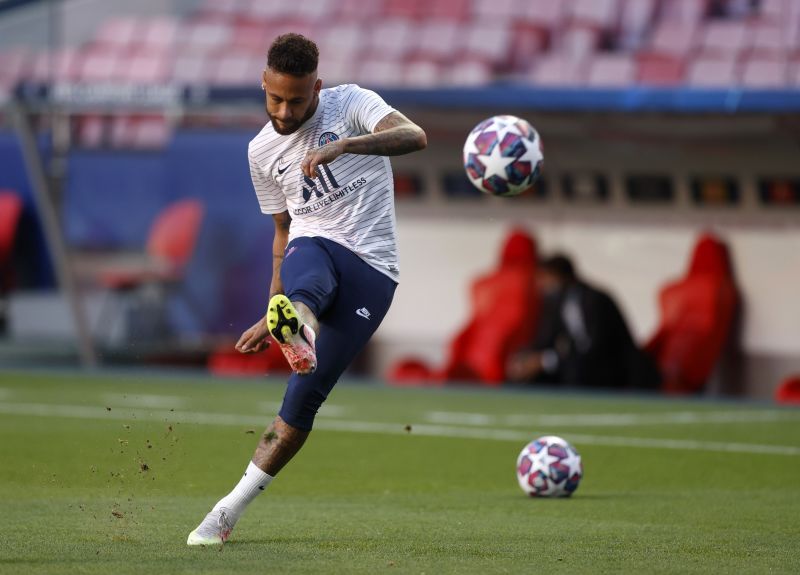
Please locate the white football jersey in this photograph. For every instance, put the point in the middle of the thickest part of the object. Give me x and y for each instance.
(351, 201)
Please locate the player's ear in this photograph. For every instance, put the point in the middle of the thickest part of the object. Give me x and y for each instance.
(264, 80)
(317, 85)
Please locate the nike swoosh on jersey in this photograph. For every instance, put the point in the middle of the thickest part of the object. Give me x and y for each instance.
(286, 167)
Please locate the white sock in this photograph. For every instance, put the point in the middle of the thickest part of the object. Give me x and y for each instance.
(253, 482)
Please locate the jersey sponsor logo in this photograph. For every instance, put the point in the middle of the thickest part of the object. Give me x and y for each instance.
(363, 312)
(327, 182)
(327, 138)
(329, 193)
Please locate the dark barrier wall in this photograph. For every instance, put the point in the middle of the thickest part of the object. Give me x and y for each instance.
(111, 198)
(31, 264)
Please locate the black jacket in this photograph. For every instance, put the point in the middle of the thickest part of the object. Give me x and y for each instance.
(607, 356)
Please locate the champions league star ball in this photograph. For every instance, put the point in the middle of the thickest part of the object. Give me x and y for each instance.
(549, 467)
(503, 156)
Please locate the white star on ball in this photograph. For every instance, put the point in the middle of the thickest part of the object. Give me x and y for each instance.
(542, 460)
(495, 162)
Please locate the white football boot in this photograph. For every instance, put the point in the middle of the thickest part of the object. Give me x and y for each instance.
(213, 530)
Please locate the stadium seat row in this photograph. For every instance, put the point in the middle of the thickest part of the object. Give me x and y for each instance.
(444, 42)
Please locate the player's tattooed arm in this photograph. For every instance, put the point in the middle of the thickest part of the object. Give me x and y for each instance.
(394, 135)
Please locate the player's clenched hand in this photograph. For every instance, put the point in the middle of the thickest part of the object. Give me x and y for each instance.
(255, 339)
(323, 155)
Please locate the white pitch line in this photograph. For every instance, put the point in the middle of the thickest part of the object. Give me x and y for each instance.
(609, 419)
(143, 400)
(204, 418)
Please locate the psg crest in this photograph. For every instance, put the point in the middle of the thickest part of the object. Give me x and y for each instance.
(327, 138)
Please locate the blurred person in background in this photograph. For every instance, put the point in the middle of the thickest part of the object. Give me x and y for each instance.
(582, 338)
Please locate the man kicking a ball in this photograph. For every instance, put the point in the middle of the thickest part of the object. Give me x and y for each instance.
(319, 167)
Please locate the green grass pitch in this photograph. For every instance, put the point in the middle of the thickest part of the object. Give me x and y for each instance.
(108, 473)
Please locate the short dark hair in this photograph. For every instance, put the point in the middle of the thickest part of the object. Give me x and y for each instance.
(293, 54)
(560, 266)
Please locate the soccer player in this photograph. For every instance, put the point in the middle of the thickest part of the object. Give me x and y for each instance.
(319, 166)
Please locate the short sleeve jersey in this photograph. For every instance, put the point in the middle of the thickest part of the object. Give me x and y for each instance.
(351, 201)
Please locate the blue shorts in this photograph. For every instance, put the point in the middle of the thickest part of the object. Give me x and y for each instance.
(349, 298)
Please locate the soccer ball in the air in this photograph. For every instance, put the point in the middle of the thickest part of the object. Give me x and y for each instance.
(549, 467)
(503, 156)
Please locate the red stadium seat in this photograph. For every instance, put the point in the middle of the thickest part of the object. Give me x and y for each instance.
(350, 10)
(697, 313)
(658, 70)
(713, 72)
(10, 212)
(600, 14)
(267, 11)
(545, 14)
(119, 33)
(789, 391)
(170, 246)
(221, 8)
(469, 73)
(343, 41)
(406, 9)
(319, 11)
(769, 40)
(148, 66)
(489, 42)
(609, 71)
(556, 71)
(672, 39)
(192, 68)
(481, 349)
(237, 69)
(438, 41)
(687, 13)
(495, 11)
(205, 36)
(422, 74)
(101, 64)
(765, 73)
(158, 34)
(384, 72)
(725, 38)
(446, 9)
(391, 38)
(578, 42)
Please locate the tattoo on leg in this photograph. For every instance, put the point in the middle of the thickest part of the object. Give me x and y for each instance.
(279, 443)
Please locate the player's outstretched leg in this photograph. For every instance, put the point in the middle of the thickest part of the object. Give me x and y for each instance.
(279, 443)
(295, 331)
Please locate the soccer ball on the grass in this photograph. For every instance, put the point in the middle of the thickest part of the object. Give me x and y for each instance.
(503, 156)
(549, 467)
